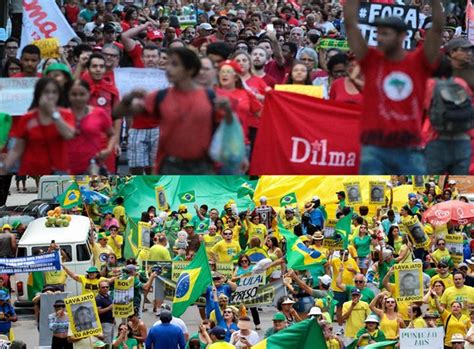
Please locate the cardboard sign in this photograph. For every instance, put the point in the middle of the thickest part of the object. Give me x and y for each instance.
(46, 302)
(353, 193)
(247, 288)
(422, 338)
(148, 79)
(144, 231)
(419, 182)
(49, 47)
(16, 95)
(161, 201)
(123, 298)
(369, 12)
(409, 282)
(454, 244)
(83, 316)
(377, 193)
(225, 269)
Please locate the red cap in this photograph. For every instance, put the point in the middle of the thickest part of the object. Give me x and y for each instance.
(154, 34)
(233, 64)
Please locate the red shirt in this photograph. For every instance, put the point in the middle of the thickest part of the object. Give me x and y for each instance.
(136, 56)
(186, 119)
(393, 100)
(276, 72)
(104, 94)
(339, 93)
(144, 121)
(72, 12)
(90, 134)
(22, 75)
(45, 149)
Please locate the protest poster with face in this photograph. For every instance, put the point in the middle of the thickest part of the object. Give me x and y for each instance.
(161, 201)
(418, 183)
(83, 316)
(409, 282)
(144, 235)
(377, 193)
(454, 244)
(353, 193)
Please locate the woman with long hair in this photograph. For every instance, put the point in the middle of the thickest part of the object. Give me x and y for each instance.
(405, 254)
(93, 127)
(390, 319)
(125, 339)
(394, 238)
(138, 327)
(41, 138)
(12, 66)
(362, 243)
(299, 75)
(348, 88)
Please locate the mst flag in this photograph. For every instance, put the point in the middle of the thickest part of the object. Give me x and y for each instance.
(297, 136)
(71, 197)
(306, 334)
(187, 196)
(298, 255)
(192, 282)
(343, 228)
(288, 199)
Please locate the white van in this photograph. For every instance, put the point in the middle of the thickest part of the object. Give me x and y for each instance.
(72, 239)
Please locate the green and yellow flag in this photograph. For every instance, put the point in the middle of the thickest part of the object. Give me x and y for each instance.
(343, 228)
(298, 255)
(71, 197)
(306, 334)
(34, 284)
(288, 199)
(192, 282)
(187, 197)
(247, 188)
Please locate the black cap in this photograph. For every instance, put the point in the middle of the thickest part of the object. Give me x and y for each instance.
(109, 27)
(395, 23)
(343, 194)
(218, 331)
(59, 303)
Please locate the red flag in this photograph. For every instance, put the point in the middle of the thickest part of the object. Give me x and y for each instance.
(306, 135)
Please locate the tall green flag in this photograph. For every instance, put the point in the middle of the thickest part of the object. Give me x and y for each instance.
(192, 282)
(298, 255)
(288, 199)
(343, 227)
(71, 197)
(187, 196)
(306, 334)
(247, 188)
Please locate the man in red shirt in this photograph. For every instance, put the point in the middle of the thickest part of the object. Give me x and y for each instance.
(30, 58)
(393, 100)
(223, 27)
(134, 48)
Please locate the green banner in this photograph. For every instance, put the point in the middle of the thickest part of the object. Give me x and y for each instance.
(333, 43)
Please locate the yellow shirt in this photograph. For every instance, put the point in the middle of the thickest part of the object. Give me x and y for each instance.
(118, 212)
(465, 295)
(402, 306)
(101, 254)
(389, 327)
(159, 253)
(454, 325)
(439, 255)
(90, 286)
(258, 230)
(55, 277)
(210, 241)
(113, 244)
(448, 281)
(347, 276)
(333, 343)
(225, 252)
(419, 322)
(356, 319)
(221, 345)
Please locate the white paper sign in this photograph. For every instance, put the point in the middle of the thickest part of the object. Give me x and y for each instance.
(422, 338)
(148, 79)
(16, 95)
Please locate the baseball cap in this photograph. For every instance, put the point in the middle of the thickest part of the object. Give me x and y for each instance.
(460, 265)
(101, 236)
(355, 291)
(154, 34)
(205, 26)
(92, 270)
(99, 344)
(343, 194)
(315, 311)
(59, 303)
(411, 196)
(189, 225)
(470, 261)
(458, 43)
(58, 67)
(325, 280)
(442, 264)
(16, 224)
(6, 226)
(218, 331)
(395, 23)
(131, 267)
(279, 317)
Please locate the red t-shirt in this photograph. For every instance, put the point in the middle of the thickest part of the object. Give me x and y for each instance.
(269, 81)
(72, 12)
(186, 119)
(136, 56)
(45, 150)
(144, 121)
(393, 100)
(104, 94)
(90, 134)
(276, 72)
(339, 93)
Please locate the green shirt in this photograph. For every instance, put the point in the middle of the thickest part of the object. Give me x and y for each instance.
(362, 244)
(366, 294)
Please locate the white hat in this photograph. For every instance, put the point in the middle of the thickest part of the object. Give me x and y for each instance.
(451, 181)
(288, 301)
(205, 26)
(315, 311)
(325, 280)
(372, 318)
(470, 261)
(462, 265)
(315, 198)
(457, 338)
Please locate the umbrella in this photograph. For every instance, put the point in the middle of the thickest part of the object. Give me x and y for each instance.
(90, 196)
(453, 211)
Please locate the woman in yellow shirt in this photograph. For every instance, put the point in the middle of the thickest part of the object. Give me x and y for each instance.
(416, 315)
(438, 287)
(441, 253)
(390, 319)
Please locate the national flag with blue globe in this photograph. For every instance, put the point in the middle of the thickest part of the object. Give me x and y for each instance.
(187, 197)
(192, 282)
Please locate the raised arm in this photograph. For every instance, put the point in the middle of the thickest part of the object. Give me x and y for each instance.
(373, 306)
(356, 41)
(339, 282)
(434, 36)
(127, 37)
(71, 273)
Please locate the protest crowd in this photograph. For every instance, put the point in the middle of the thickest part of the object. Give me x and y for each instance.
(180, 87)
(369, 266)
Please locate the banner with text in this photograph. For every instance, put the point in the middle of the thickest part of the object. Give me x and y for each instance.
(123, 298)
(422, 338)
(247, 288)
(305, 135)
(454, 244)
(83, 316)
(148, 79)
(16, 95)
(409, 282)
(44, 262)
(369, 12)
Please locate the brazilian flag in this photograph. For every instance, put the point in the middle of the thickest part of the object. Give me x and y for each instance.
(71, 197)
(298, 255)
(288, 199)
(192, 282)
(343, 228)
(306, 334)
(247, 188)
(187, 197)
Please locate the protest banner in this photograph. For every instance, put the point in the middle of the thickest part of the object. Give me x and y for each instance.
(286, 145)
(225, 269)
(377, 193)
(187, 21)
(307, 90)
(353, 193)
(409, 282)
(454, 244)
(16, 95)
(369, 12)
(123, 298)
(161, 201)
(148, 79)
(46, 307)
(413, 227)
(327, 44)
(29, 264)
(422, 338)
(83, 316)
(43, 19)
(144, 231)
(49, 47)
(330, 241)
(418, 182)
(247, 288)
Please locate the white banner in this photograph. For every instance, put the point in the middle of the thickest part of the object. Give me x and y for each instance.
(422, 338)
(148, 79)
(43, 19)
(16, 95)
(247, 288)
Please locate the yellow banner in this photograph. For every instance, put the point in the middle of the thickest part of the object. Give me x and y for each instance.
(377, 193)
(308, 90)
(177, 267)
(408, 282)
(353, 193)
(123, 298)
(49, 47)
(454, 244)
(144, 231)
(83, 316)
(161, 201)
(419, 182)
